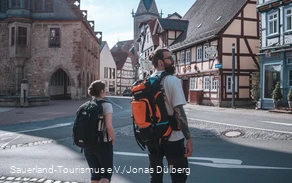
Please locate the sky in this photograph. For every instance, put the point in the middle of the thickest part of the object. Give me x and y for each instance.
(114, 19)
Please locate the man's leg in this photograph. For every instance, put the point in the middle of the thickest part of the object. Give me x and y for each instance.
(155, 156)
(177, 163)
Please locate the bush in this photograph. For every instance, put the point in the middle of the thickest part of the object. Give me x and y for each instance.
(277, 95)
(290, 95)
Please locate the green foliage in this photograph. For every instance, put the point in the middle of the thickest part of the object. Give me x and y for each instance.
(255, 87)
(277, 95)
(289, 96)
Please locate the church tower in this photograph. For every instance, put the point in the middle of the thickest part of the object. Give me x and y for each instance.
(146, 10)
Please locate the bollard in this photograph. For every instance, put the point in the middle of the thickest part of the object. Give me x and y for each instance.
(24, 93)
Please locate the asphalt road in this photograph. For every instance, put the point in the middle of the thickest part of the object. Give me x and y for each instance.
(259, 154)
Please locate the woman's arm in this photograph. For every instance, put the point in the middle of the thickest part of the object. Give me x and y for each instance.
(109, 126)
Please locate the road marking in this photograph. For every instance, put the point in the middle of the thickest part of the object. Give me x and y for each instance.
(242, 126)
(10, 141)
(277, 123)
(214, 165)
(114, 103)
(214, 162)
(38, 129)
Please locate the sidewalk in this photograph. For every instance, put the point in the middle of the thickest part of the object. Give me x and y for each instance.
(56, 109)
(64, 108)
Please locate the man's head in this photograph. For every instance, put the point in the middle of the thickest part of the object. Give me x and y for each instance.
(162, 59)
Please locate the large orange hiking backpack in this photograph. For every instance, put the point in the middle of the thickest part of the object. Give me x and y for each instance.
(151, 122)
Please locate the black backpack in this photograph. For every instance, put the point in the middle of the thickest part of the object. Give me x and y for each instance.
(88, 129)
(151, 121)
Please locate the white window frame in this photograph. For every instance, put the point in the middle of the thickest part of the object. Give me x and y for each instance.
(229, 87)
(205, 53)
(193, 83)
(206, 83)
(286, 19)
(199, 53)
(214, 83)
(275, 21)
(188, 56)
(182, 58)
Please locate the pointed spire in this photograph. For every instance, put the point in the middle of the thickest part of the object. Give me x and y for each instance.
(161, 13)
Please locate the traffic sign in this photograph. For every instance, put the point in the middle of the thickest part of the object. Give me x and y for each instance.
(218, 66)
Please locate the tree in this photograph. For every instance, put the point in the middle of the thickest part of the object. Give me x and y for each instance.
(277, 95)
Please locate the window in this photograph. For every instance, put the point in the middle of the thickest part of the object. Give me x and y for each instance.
(12, 36)
(273, 23)
(289, 61)
(199, 54)
(288, 18)
(272, 74)
(38, 5)
(229, 83)
(22, 36)
(182, 57)
(188, 56)
(214, 83)
(48, 5)
(3, 5)
(206, 83)
(110, 73)
(54, 37)
(193, 83)
(105, 72)
(15, 4)
(114, 73)
(205, 53)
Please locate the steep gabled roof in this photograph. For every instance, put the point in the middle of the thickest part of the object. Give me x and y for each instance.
(120, 58)
(174, 14)
(206, 19)
(124, 45)
(173, 24)
(147, 4)
(102, 45)
(155, 38)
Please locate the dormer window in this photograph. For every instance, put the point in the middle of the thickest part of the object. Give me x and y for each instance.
(16, 4)
(3, 5)
(43, 5)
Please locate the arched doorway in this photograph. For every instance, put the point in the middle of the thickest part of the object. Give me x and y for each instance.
(60, 85)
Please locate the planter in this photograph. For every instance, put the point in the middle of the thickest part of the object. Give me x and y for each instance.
(290, 104)
(277, 103)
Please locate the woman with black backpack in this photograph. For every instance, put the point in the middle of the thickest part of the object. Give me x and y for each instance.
(100, 160)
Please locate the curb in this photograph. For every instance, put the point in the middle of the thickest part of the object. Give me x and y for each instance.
(281, 111)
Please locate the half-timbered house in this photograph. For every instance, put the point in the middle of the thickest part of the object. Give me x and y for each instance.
(203, 47)
(276, 51)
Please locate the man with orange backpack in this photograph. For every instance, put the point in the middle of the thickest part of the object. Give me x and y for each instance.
(164, 135)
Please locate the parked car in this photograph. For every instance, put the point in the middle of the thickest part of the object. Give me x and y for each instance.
(127, 92)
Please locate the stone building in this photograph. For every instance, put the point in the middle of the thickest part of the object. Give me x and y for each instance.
(51, 44)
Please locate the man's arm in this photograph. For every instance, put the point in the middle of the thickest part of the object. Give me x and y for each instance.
(181, 118)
